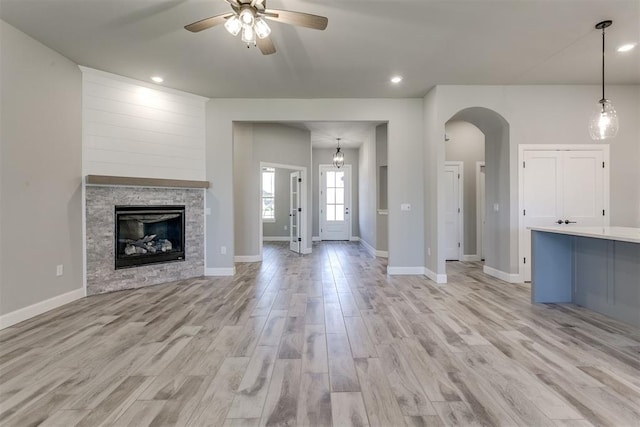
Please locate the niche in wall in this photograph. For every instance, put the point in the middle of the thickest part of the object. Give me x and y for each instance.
(382, 188)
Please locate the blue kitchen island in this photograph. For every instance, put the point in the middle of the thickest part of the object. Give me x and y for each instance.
(594, 267)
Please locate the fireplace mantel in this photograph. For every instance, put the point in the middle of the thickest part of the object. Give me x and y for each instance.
(129, 181)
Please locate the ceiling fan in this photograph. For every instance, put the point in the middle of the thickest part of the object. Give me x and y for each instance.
(247, 17)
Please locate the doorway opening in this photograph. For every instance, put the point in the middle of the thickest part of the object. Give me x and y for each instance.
(464, 198)
(284, 198)
(489, 224)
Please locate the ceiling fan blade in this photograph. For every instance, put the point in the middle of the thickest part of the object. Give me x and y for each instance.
(203, 24)
(297, 18)
(266, 46)
(233, 3)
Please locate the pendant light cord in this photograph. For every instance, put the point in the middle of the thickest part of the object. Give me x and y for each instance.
(603, 98)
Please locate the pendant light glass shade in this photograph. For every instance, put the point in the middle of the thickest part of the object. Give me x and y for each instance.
(233, 25)
(604, 121)
(261, 28)
(248, 36)
(338, 157)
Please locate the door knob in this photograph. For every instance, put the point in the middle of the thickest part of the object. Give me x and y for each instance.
(559, 221)
(566, 221)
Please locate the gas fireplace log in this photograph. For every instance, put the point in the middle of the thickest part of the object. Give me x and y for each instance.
(141, 243)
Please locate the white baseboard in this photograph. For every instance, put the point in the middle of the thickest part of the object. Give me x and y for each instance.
(405, 271)
(220, 271)
(33, 310)
(316, 239)
(247, 258)
(382, 254)
(306, 251)
(507, 277)
(438, 278)
(275, 238)
(368, 248)
(471, 258)
(354, 239)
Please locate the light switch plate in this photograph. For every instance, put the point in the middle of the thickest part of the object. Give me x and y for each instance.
(405, 207)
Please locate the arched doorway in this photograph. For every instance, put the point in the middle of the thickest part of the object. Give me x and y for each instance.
(500, 228)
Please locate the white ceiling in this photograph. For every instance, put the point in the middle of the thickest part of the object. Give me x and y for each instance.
(324, 134)
(429, 42)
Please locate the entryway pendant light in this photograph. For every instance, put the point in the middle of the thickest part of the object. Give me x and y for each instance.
(604, 121)
(338, 157)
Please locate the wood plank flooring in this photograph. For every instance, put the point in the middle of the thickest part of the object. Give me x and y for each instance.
(322, 339)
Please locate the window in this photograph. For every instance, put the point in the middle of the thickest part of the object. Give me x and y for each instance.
(335, 196)
(268, 194)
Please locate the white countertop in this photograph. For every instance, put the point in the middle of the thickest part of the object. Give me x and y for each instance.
(622, 234)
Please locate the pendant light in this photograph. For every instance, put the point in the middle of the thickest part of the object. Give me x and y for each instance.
(604, 121)
(338, 157)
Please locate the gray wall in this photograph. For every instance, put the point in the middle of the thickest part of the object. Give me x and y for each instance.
(466, 144)
(404, 117)
(40, 208)
(262, 142)
(532, 115)
(367, 201)
(323, 156)
(382, 227)
(282, 202)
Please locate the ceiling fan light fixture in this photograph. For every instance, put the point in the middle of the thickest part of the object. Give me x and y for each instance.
(248, 35)
(233, 25)
(262, 28)
(247, 16)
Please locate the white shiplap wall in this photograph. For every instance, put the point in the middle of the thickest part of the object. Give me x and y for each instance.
(131, 128)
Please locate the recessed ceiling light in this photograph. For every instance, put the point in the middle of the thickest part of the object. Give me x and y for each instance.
(396, 79)
(157, 79)
(626, 47)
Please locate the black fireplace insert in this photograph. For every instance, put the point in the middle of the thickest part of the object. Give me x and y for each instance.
(148, 235)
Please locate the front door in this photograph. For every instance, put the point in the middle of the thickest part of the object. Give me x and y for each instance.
(295, 212)
(335, 202)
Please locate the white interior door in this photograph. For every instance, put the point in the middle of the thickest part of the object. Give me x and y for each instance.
(335, 202)
(295, 213)
(453, 214)
(583, 170)
(560, 187)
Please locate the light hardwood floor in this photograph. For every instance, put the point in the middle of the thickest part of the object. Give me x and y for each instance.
(318, 340)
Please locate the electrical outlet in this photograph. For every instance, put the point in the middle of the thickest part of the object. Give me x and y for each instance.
(405, 207)
(223, 250)
(285, 228)
(496, 207)
(59, 270)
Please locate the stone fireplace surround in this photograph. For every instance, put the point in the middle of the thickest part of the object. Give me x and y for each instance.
(102, 195)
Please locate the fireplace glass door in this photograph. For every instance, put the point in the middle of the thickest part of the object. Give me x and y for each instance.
(148, 235)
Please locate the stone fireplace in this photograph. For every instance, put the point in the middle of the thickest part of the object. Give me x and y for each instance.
(142, 235)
